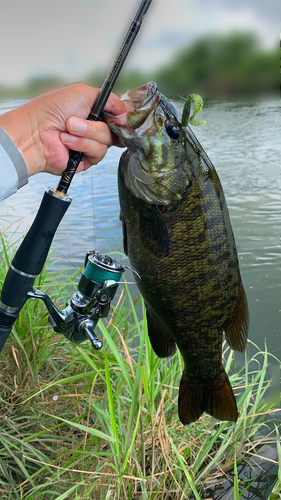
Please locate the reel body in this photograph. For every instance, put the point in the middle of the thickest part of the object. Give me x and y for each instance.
(90, 302)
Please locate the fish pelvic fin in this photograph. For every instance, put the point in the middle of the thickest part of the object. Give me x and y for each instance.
(215, 398)
(124, 229)
(236, 332)
(160, 340)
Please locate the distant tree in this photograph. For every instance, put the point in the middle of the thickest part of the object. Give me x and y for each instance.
(220, 66)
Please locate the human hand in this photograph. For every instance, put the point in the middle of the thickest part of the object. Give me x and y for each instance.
(45, 128)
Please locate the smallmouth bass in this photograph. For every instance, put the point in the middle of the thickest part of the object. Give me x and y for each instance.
(178, 236)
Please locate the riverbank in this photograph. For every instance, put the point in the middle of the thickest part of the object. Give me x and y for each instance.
(82, 424)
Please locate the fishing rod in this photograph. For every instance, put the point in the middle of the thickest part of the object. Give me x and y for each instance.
(75, 157)
(101, 275)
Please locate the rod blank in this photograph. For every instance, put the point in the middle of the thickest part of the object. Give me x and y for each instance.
(76, 157)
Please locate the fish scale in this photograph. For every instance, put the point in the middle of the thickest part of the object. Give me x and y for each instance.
(184, 251)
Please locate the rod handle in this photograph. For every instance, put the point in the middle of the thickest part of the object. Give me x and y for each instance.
(30, 258)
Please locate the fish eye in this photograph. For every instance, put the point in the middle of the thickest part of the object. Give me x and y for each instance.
(173, 131)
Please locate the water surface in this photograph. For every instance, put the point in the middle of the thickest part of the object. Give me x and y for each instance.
(243, 142)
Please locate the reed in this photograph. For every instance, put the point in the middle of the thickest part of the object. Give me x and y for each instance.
(80, 424)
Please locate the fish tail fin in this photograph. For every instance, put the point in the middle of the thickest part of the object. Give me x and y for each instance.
(215, 398)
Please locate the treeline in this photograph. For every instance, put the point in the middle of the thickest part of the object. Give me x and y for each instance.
(223, 67)
(215, 66)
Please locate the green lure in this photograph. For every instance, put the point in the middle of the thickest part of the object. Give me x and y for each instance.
(198, 104)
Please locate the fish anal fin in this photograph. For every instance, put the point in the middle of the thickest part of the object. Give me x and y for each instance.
(161, 343)
(236, 332)
(215, 398)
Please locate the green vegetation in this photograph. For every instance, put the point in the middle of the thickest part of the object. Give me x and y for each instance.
(81, 424)
(215, 66)
(221, 67)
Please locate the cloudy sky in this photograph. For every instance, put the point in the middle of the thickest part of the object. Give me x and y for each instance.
(72, 38)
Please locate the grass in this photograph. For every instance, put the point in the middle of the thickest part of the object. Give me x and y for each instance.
(81, 424)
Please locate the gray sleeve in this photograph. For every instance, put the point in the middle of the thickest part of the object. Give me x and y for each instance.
(13, 170)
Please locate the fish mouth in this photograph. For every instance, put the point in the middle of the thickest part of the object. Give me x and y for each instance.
(139, 103)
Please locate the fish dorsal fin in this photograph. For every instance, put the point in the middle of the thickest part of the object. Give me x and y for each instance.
(153, 229)
(236, 332)
(161, 343)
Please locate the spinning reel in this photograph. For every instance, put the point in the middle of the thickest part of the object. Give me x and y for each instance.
(96, 288)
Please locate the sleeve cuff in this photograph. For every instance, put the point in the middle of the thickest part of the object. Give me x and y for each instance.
(15, 157)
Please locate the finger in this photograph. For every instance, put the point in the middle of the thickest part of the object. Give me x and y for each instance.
(114, 105)
(89, 95)
(97, 131)
(95, 151)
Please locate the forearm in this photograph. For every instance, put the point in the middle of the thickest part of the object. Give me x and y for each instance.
(20, 126)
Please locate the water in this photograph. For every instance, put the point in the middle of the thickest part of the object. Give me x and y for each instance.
(243, 142)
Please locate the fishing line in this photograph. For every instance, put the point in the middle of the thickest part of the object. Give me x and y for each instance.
(93, 206)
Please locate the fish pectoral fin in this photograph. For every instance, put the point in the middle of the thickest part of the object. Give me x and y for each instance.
(215, 398)
(236, 332)
(161, 343)
(124, 229)
(153, 230)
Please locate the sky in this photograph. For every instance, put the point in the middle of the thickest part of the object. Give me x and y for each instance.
(71, 39)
